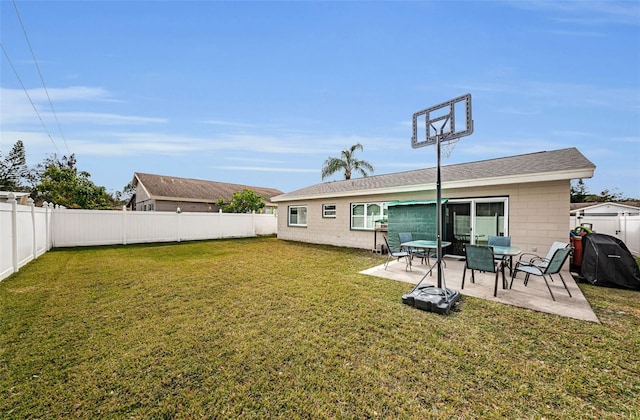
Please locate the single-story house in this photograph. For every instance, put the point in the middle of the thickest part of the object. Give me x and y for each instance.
(526, 197)
(168, 193)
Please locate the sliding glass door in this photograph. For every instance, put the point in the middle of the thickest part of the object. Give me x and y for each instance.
(472, 221)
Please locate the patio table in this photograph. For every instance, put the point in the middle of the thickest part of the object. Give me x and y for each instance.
(505, 252)
(422, 244)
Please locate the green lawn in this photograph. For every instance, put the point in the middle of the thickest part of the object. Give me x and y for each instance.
(263, 328)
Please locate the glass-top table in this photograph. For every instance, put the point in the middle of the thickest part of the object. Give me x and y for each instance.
(426, 245)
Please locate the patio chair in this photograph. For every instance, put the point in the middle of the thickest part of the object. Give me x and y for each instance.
(405, 237)
(481, 258)
(501, 241)
(538, 261)
(398, 253)
(415, 252)
(553, 267)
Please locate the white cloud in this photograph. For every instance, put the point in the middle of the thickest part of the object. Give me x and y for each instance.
(37, 143)
(626, 139)
(257, 160)
(588, 34)
(585, 12)
(72, 93)
(107, 118)
(548, 94)
(17, 110)
(266, 169)
(234, 124)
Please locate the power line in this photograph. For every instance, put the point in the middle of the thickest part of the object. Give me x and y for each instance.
(41, 78)
(28, 96)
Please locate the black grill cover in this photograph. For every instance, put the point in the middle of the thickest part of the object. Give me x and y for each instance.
(606, 261)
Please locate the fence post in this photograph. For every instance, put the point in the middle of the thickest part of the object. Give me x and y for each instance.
(47, 224)
(178, 213)
(11, 199)
(34, 243)
(124, 225)
(578, 217)
(220, 224)
(253, 223)
(53, 224)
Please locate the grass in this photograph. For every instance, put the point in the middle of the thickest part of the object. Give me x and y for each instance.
(258, 328)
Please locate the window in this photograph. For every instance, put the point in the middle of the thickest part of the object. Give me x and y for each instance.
(297, 216)
(364, 215)
(329, 210)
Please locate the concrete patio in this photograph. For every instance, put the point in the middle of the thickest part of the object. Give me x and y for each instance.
(535, 296)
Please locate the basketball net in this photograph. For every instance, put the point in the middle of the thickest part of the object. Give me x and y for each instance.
(447, 146)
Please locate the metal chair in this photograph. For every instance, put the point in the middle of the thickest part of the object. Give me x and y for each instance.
(501, 241)
(553, 267)
(481, 258)
(395, 254)
(414, 252)
(542, 262)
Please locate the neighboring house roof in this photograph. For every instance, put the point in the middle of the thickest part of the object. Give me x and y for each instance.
(5, 194)
(608, 207)
(541, 166)
(20, 197)
(579, 206)
(163, 187)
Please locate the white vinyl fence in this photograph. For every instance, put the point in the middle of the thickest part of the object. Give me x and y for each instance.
(26, 232)
(622, 226)
(24, 235)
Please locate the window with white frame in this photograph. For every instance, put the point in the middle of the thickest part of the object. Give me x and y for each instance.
(297, 216)
(329, 210)
(364, 215)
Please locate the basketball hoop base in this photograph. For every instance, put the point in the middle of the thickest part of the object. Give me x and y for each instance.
(432, 299)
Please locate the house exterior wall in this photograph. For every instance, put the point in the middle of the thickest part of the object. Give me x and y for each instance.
(538, 214)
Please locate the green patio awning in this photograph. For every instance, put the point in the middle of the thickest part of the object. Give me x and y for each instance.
(415, 202)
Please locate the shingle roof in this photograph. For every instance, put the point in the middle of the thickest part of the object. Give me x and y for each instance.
(188, 189)
(564, 162)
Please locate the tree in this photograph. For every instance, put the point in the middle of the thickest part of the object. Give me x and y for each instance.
(125, 195)
(578, 192)
(245, 201)
(13, 168)
(347, 163)
(59, 182)
(604, 197)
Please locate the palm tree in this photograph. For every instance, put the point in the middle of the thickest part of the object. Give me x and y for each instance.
(346, 162)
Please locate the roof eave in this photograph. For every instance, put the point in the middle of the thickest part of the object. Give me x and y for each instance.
(568, 174)
(190, 200)
(137, 183)
(465, 183)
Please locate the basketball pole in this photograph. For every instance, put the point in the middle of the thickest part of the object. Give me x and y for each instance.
(439, 212)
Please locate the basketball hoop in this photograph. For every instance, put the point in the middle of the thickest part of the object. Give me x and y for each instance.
(442, 130)
(447, 146)
(443, 123)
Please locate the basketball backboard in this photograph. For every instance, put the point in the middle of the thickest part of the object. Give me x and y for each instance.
(440, 121)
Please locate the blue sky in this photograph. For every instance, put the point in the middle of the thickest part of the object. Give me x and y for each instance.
(261, 93)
